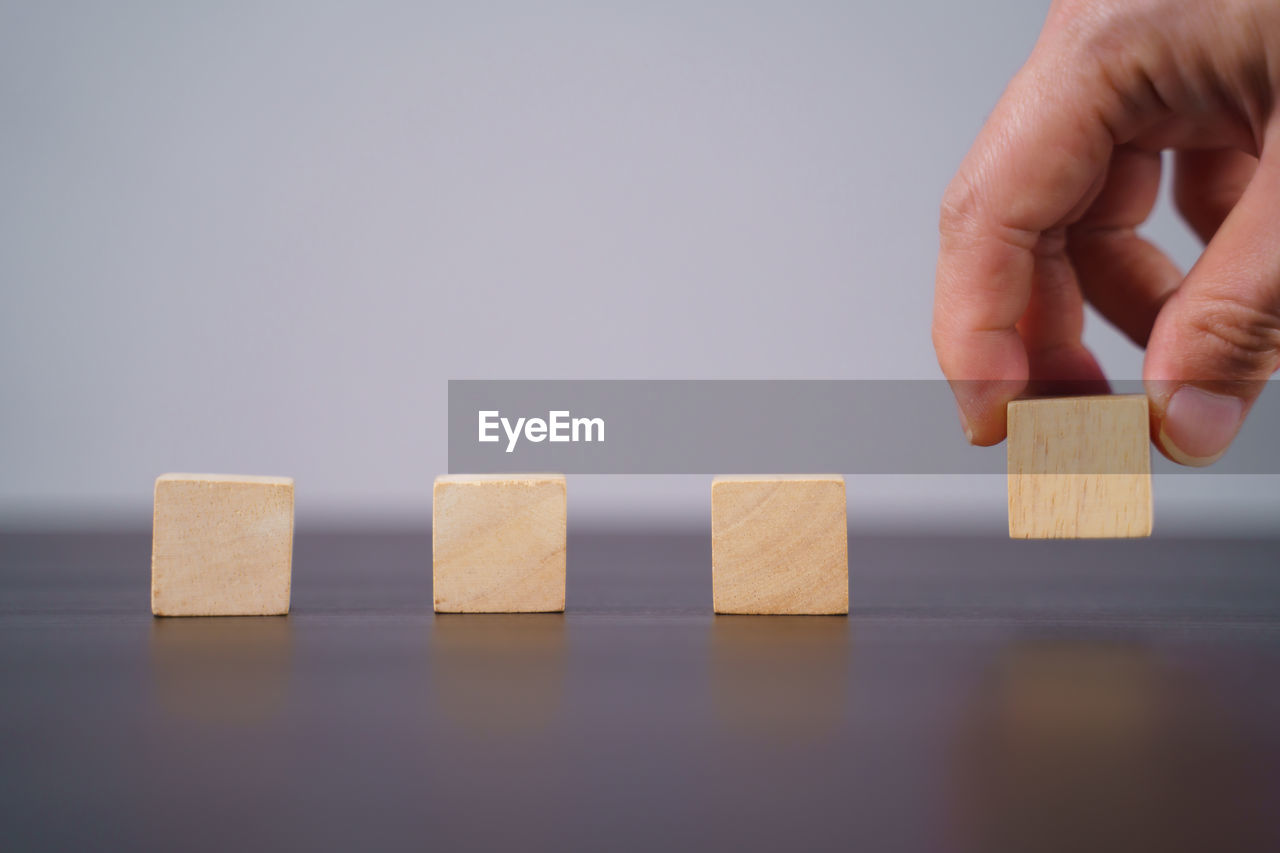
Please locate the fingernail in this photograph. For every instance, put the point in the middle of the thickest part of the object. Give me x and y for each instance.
(1199, 425)
(964, 422)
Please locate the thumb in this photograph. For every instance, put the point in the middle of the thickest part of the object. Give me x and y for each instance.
(1217, 339)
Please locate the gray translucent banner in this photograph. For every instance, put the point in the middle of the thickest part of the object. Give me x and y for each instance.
(753, 426)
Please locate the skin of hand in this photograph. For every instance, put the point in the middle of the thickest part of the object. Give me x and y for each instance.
(1043, 215)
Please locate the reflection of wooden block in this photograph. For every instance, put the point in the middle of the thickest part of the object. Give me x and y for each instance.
(1079, 467)
(498, 543)
(779, 544)
(222, 545)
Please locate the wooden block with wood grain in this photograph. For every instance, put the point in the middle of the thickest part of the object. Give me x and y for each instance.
(779, 544)
(1079, 468)
(498, 543)
(222, 545)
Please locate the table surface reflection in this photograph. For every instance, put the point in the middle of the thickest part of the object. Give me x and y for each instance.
(983, 695)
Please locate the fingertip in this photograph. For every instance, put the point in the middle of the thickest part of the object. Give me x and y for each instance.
(989, 427)
(982, 407)
(1194, 426)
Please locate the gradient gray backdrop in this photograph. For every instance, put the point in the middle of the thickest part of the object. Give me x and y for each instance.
(260, 236)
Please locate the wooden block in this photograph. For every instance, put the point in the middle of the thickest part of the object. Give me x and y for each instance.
(1079, 467)
(498, 543)
(222, 545)
(779, 544)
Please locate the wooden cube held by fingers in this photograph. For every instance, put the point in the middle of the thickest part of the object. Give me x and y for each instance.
(779, 544)
(1079, 467)
(222, 545)
(498, 543)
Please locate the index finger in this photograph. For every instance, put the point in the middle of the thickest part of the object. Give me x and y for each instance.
(1041, 154)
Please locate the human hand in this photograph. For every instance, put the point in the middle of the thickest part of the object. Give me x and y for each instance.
(1044, 210)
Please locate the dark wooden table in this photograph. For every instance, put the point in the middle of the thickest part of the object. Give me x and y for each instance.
(983, 695)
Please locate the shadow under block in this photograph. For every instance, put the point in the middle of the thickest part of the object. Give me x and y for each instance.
(498, 543)
(780, 545)
(1080, 468)
(222, 545)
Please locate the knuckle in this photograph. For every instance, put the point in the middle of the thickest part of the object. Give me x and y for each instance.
(1104, 28)
(959, 214)
(1106, 43)
(942, 348)
(1243, 335)
(966, 219)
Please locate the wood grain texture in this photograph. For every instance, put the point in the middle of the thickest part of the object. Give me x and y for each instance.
(222, 545)
(1080, 468)
(780, 544)
(498, 543)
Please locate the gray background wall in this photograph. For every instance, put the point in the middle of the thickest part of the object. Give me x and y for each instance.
(259, 237)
